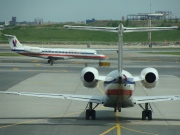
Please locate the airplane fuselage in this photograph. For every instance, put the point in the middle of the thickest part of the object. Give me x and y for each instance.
(119, 91)
(56, 53)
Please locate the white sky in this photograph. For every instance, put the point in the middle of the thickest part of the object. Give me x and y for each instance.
(80, 10)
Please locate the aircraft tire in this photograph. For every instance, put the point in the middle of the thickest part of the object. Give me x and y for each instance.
(149, 114)
(93, 114)
(143, 115)
(52, 61)
(87, 114)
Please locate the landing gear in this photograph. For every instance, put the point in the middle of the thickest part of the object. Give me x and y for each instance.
(117, 109)
(51, 61)
(146, 112)
(90, 112)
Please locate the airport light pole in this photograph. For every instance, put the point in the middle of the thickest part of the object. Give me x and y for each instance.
(149, 33)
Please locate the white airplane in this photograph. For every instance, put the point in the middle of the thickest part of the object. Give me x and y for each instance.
(53, 53)
(119, 84)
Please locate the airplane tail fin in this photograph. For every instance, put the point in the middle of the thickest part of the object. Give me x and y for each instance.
(120, 30)
(13, 41)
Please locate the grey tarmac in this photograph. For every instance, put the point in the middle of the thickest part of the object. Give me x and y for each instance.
(21, 115)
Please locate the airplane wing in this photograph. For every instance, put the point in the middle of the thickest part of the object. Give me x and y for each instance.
(150, 99)
(86, 98)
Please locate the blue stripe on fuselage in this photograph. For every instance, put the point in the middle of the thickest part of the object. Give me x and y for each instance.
(128, 81)
(17, 50)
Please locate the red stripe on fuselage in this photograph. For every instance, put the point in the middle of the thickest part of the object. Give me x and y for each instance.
(119, 92)
(66, 55)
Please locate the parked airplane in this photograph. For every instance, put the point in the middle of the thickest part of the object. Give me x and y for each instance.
(119, 84)
(53, 53)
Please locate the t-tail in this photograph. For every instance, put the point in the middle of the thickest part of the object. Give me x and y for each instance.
(120, 29)
(13, 42)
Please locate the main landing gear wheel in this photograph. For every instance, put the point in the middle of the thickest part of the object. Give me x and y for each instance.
(91, 113)
(51, 61)
(146, 113)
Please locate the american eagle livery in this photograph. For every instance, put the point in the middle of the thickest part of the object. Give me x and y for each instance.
(119, 85)
(53, 53)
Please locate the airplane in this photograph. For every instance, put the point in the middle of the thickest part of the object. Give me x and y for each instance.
(53, 53)
(119, 85)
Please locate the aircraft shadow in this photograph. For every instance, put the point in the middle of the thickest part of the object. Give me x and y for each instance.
(102, 118)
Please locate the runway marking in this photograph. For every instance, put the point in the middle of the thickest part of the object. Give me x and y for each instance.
(26, 122)
(118, 124)
(107, 131)
(35, 61)
(15, 68)
(138, 131)
(38, 64)
(100, 88)
(118, 127)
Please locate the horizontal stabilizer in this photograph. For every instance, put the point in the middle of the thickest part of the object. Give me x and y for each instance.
(125, 29)
(141, 29)
(109, 29)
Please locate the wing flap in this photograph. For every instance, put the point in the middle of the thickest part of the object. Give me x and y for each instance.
(150, 99)
(86, 98)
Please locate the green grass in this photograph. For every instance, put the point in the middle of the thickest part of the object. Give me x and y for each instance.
(158, 36)
(10, 54)
(167, 53)
(58, 34)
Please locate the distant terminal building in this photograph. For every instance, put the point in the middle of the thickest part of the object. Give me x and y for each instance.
(38, 21)
(123, 18)
(90, 21)
(158, 15)
(13, 21)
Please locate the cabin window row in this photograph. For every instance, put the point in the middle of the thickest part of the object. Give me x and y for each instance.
(66, 52)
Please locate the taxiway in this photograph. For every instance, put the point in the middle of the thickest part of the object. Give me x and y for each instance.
(21, 115)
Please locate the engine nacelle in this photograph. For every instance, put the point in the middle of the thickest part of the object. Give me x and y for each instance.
(89, 77)
(150, 77)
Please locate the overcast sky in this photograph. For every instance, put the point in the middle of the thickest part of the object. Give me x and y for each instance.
(80, 10)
